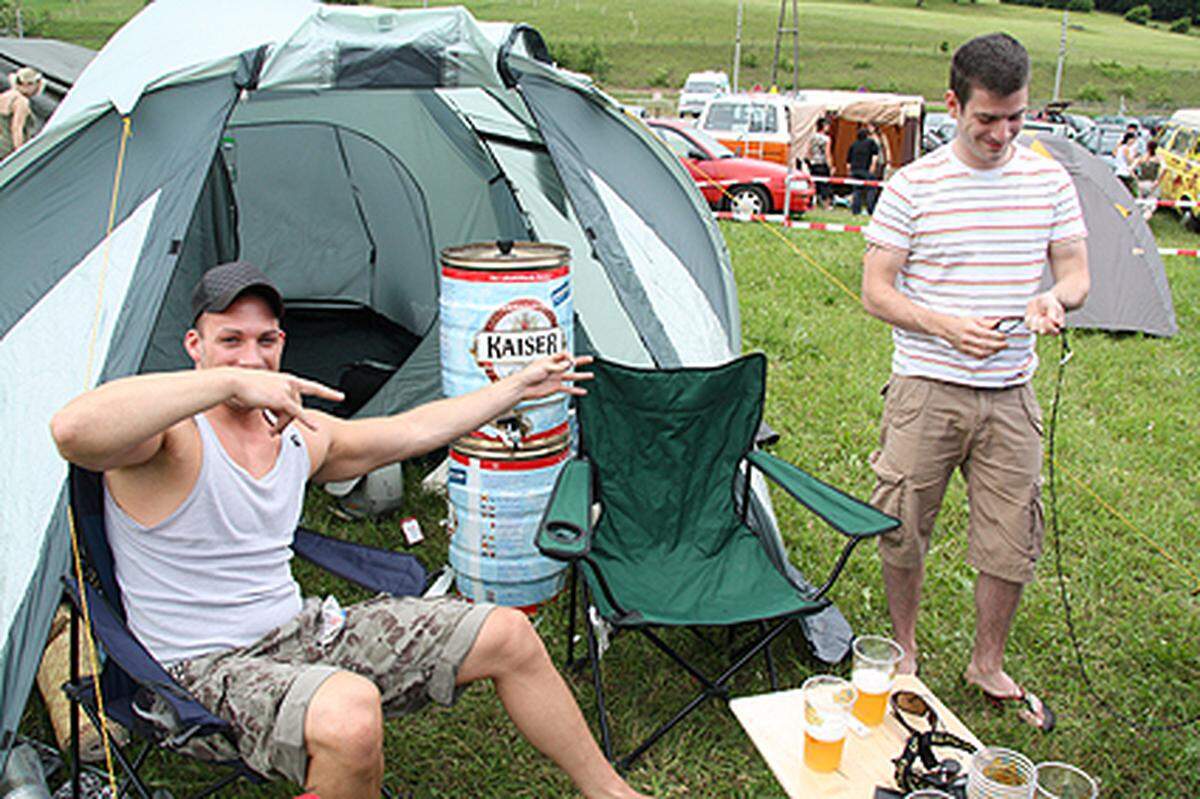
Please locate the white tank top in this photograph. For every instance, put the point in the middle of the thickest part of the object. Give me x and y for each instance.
(215, 574)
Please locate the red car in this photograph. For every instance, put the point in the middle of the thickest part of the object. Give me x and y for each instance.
(726, 180)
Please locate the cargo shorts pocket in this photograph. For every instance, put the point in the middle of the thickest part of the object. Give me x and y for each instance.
(888, 497)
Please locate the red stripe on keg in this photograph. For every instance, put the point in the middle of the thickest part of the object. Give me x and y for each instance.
(492, 465)
(505, 275)
(553, 431)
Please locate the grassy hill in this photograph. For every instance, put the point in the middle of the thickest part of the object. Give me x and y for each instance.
(880, 44)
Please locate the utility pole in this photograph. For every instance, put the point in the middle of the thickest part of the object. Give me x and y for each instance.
(1062, 56)
(737, 48)
(795, 31)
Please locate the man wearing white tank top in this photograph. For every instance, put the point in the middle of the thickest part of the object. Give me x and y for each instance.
(956, 249)
(204, 478)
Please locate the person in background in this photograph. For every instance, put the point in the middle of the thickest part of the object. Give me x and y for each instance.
(881, 166)
(1149, 174)
(1126, 155)
(820, 159)
(16, 118)
(864, 159)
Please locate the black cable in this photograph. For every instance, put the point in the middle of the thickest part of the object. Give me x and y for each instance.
(1062, 582)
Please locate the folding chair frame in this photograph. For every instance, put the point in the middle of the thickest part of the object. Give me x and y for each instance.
(566, 534)
(394, 573)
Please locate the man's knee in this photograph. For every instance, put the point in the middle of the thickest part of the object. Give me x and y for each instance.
(345, 719)
(509, 640)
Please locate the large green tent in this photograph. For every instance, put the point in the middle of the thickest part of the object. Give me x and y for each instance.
(339, 148)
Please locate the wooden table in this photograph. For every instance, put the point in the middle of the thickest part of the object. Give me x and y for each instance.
(775, 723)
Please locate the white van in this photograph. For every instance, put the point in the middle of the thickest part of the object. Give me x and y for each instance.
(698, 89)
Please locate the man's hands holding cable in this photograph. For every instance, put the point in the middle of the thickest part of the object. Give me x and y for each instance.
(1045, 314)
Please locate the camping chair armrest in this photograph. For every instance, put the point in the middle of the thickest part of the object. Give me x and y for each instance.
(565, 532)
(382, 570)
(849, 516)
(122, 647)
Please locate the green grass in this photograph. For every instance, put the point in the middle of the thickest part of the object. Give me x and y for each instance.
(1128, 429)
(884, 45)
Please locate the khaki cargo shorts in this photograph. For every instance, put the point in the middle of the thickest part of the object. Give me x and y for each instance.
(994, 436)
(410, 648)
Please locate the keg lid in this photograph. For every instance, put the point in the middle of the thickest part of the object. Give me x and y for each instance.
(506, 255)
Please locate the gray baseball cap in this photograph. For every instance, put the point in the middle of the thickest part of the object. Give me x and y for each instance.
(224, 283)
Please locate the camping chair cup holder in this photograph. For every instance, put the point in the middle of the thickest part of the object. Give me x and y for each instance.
(650, 561)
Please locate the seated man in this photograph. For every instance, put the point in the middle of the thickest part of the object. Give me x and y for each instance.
(205, 472)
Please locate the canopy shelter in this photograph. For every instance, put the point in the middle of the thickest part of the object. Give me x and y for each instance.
(898, 117)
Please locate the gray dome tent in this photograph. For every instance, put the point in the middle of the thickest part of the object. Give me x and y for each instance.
(339, 148)
(1129, 285)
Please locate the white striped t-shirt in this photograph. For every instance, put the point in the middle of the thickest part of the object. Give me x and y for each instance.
(977, 243)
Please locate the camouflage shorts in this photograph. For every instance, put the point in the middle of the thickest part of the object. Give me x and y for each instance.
(410, 648)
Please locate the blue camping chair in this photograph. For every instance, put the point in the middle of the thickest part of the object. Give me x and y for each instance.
(129, 669)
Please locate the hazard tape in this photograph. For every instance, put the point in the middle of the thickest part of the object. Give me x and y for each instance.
(1150, 201)
(846, 181)
(778, 219)
(832, 227)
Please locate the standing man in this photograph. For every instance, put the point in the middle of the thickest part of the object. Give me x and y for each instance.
(955, 253)
(204, 476)
(863, 159)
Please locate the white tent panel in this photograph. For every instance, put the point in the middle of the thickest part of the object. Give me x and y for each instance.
(685, 313)
(604, 321)
(31, 472)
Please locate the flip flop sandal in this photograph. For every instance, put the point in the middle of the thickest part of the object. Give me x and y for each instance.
(1032, 710)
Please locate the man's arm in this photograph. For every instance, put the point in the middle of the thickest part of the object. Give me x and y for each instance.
(360, 445)
(1047, 312)
(970, 335)
(122, 423)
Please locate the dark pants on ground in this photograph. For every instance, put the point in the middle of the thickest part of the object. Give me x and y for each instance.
(864, 196)
(824, 188)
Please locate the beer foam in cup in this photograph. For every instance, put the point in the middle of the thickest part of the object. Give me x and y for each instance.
(871, 681)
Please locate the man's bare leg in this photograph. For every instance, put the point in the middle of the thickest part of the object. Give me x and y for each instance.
(903, 588)
(509, 652)
(996, 603)
(343, 732)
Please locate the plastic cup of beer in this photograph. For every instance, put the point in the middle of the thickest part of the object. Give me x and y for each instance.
(875, 660)
(1057, 780)
(827, 704)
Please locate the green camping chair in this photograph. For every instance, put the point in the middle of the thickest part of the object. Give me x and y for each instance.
(661, 454)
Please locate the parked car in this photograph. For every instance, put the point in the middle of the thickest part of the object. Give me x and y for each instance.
(727, 181)
(1102, 140)
(1042, 126)
(939, 128)
(1179, 149)
(698, 89)
(1080, 124)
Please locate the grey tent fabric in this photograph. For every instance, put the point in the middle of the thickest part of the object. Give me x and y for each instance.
(1129, 285)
